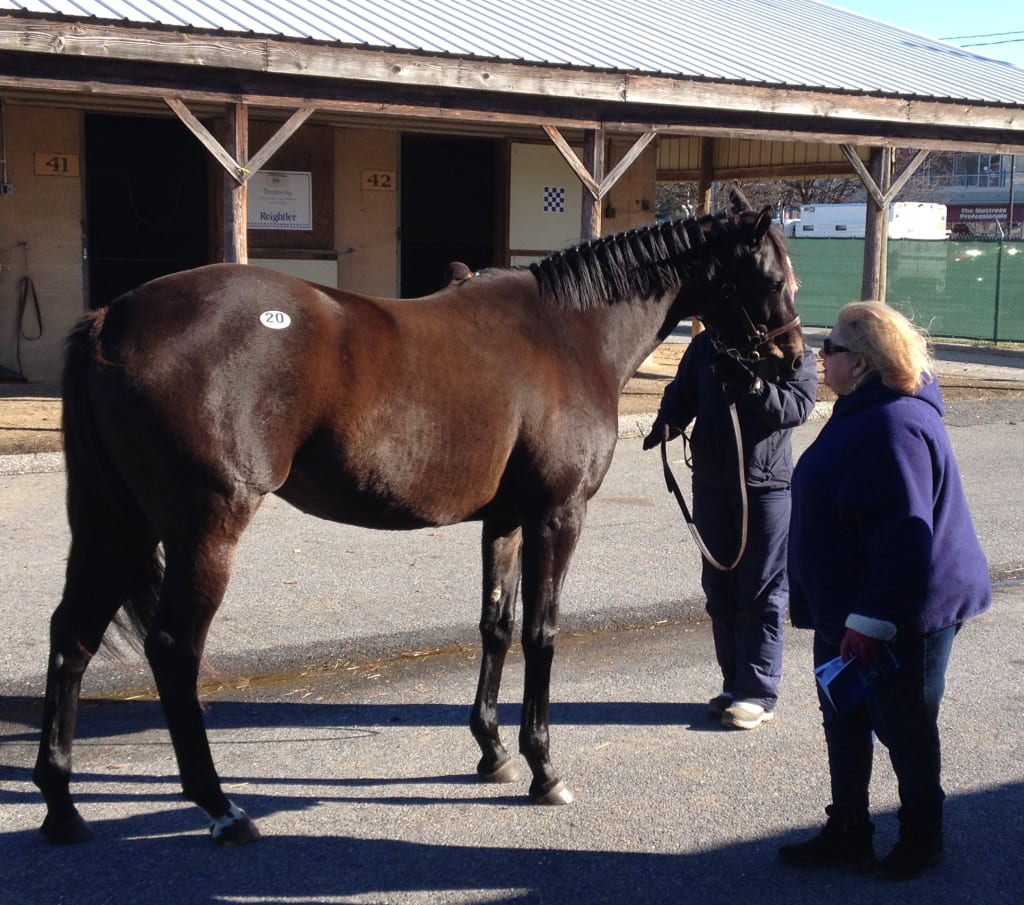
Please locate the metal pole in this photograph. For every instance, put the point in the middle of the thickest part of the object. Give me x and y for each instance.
(999, 260)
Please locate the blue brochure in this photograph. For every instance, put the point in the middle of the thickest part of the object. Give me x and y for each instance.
(846, 684)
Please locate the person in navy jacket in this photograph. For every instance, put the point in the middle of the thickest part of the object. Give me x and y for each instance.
(747, 604)
(882, 551)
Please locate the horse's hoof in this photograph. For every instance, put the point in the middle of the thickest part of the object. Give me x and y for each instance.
(558, 794)
(506, 771)
(69, 831)
(239, 831)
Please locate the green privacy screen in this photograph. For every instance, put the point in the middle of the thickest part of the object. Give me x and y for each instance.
(973, 290)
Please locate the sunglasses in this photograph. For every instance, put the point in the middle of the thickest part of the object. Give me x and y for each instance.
(828, 347)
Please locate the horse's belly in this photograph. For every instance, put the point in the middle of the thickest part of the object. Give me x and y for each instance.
(385, 505)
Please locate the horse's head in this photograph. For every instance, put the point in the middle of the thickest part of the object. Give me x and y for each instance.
(746, 293)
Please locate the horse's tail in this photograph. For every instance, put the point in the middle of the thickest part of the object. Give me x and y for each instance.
(114, 562)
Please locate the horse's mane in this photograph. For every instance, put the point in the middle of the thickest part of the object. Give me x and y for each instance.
(640, 263)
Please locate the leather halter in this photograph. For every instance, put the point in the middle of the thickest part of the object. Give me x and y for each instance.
(760, 335)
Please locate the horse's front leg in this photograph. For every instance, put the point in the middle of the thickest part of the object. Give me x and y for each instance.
(547, 550)
(502, 557)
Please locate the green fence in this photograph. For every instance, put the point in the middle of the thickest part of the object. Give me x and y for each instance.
(973, 290)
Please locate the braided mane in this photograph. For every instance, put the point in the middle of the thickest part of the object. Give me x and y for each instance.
(637, 264)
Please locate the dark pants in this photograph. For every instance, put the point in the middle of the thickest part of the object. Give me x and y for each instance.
(747, 605)
(903, 713)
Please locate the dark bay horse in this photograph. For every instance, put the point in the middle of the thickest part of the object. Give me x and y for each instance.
(192, 397)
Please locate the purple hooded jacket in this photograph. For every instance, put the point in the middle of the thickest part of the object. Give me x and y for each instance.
(880, 526)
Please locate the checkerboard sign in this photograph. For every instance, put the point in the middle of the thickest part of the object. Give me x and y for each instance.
(554, 200)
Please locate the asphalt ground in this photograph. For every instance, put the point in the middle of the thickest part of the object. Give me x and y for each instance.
(339, 678)
(361, 781)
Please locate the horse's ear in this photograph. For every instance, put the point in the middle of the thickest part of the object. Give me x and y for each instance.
(762, 225)
(737, 200)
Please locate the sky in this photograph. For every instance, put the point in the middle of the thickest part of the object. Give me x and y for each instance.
(993, 29)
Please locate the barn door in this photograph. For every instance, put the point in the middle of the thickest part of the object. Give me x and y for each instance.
(146, 202)
(450, 199)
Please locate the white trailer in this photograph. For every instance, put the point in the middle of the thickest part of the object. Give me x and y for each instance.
(907, 220)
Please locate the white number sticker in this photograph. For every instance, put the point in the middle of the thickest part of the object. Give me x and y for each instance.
(275, 320)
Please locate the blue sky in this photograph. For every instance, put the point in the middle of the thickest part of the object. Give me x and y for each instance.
(996, 24)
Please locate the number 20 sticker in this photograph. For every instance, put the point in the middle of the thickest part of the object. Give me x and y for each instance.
(275, 320)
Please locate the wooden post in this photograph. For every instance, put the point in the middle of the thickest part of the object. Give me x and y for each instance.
(704, 185)
(236, 246)
(593, 161)
(707, 175)
(876, 227)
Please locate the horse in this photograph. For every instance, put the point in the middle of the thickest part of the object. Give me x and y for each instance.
(190, 398)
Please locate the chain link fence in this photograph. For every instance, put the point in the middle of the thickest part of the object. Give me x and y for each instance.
(966, 289)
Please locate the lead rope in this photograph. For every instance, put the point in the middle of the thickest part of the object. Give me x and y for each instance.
(673, 486)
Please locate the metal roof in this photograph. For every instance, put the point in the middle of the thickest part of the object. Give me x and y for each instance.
(799, 43)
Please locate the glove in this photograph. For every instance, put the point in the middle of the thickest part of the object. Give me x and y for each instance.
(735, 375)
(658, 433)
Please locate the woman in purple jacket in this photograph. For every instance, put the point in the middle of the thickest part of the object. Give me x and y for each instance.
(882, 551)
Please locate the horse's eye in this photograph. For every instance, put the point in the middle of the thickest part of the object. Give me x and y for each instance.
(728, 290)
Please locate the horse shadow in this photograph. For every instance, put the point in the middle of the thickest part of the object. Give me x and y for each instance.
(100, 718)
(162, 854)
(162, 857)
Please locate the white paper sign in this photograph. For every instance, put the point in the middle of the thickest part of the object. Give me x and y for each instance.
(280, 199)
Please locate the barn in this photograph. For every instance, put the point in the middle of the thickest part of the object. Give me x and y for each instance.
(365, 145)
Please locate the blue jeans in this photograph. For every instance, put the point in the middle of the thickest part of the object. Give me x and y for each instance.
(748, 604)
(903, 713)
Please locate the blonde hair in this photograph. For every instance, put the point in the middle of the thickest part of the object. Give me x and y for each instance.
(895, 349)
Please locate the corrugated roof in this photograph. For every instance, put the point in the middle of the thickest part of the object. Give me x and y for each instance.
(800, 43)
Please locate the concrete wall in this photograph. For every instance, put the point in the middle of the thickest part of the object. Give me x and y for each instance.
(40, 237)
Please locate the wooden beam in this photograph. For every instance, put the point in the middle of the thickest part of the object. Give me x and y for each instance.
(627, 161)
(707, 175)
(598, 188)
(222, 156)
(85, 91)
(259, 160)
(904, 177)
(876, 226)
(236, 194)
(884, 198)
(589, 183)
(593, 159)
(300, 60)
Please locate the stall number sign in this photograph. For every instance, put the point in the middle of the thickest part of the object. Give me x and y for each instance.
(280, 199)
(52, 163)
(378, 180)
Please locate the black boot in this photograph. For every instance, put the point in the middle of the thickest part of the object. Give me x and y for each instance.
(914, 853)
(843, 843)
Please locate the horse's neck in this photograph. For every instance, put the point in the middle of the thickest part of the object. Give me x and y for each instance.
(630, 333)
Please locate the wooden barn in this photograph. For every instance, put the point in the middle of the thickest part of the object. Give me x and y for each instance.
(365, 145)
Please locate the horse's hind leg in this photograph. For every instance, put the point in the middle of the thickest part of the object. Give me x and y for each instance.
(103, 572)
(502, 555)
(196, 577)
(548, 546)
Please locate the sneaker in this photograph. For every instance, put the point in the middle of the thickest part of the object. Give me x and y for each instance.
(746, 715)
(911, 858)
(717, 705)
(840, 845)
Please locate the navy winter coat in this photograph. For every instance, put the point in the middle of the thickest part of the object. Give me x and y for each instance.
(766, 420)
(880, 526)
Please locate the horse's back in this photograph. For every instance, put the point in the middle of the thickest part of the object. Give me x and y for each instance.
(387, 413)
